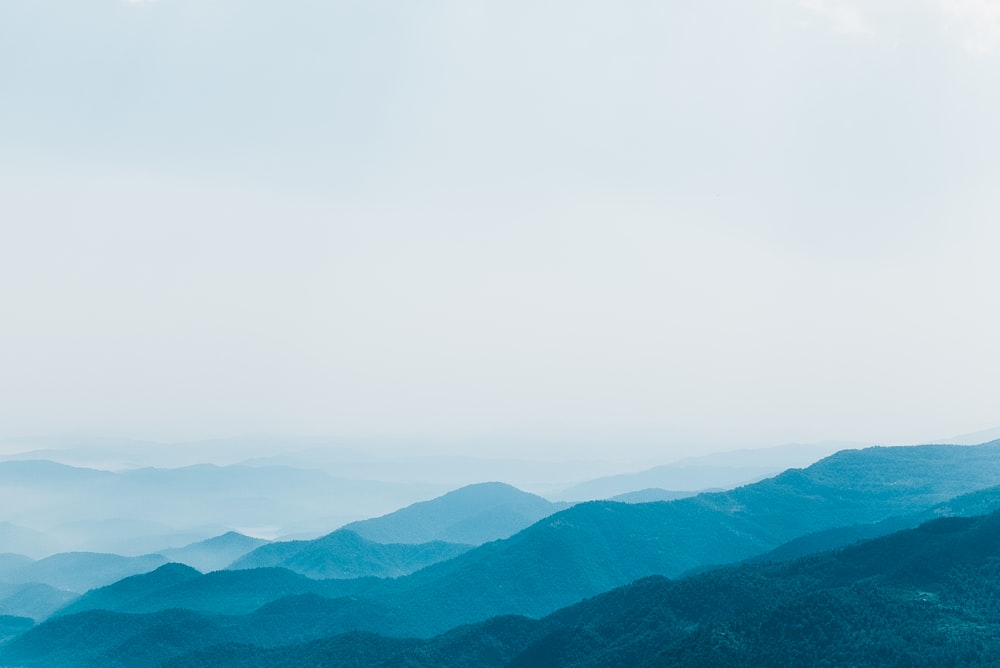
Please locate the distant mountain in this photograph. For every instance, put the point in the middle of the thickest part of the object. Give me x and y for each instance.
(974, 438)
(128, 536)
(34, 600)
(652, 494)
(141, 510)
(450, 471)
(594, 547)
(345, 554)
(215, 553)
(720, 470)
(26, 541)
(80, 571)
(9, 561)
(471, 515)
(30, 473)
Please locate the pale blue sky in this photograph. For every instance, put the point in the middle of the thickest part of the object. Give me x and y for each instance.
(619, 229)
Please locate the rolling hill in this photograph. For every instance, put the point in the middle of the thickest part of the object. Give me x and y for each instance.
(80, 571)
(345, 554)
(471, 515)
(214, 553)
(47, 507)
(34, 600)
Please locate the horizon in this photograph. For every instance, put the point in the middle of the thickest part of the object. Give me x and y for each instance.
(263, 446)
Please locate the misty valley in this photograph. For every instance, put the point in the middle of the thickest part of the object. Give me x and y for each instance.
(863, 557)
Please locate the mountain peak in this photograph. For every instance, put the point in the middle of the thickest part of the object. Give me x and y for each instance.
(473, 515)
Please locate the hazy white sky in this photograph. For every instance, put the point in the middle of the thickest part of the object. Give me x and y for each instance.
(614, 228)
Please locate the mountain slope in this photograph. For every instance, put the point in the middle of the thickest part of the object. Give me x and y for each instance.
(12, 626)
(472, 515)
(982, 502)
(345, 554)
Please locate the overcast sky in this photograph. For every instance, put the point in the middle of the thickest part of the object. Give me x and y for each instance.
(620, 229)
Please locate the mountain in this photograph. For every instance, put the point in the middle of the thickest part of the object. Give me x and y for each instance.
(59, 508)
(923, 597)
(720, 470)
(12, 626)
(26, 541)
(215, 553)
(10, 561)
(982, 502)
(345, 554)
(472, 515)
(593, 547)
(651, 494)
(133, 588)
(218, 593)
(974, 438)
(81, 571)
(34, 600)
(128, 536)
(449, 471)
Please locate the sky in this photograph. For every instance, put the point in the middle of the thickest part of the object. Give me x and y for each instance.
(551, 229)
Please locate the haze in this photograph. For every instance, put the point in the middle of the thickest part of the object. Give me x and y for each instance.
(600, 229)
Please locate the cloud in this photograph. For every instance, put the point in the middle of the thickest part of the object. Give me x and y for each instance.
(843, 17)
(980, 20)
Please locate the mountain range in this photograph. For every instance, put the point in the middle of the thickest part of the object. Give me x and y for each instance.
(50, 507)
(472, 515)
(344, 554)
(919, 597)
(924, 597)
(579, 552)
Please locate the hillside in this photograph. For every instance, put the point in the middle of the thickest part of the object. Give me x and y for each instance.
(345, 554)
(471, 515)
